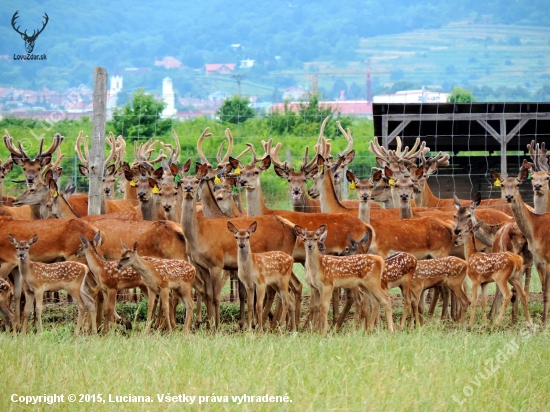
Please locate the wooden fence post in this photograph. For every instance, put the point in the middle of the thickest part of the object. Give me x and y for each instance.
(98, 141)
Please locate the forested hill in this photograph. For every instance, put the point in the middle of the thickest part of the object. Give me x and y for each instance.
(125, 33)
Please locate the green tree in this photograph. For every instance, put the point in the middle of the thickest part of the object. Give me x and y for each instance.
(460, 95)
(141, 117)
(235, 109)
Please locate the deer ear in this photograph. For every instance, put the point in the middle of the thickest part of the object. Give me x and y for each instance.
(352, 240)
(266, 162)
(174, 169)
(186, 166)
(33, 239)
(235, 163)
(350, 176)
(388, 172)
(8, 167)
(52, 185)
(322, 229)
(124, 247)
(456, 201)
(135, 246)
(495, 175)
(523, 174)
(232, 227)
(45, 161)
(157, 174)
(364, 240)
(128, 175)
(84, 240)
(299, 231)
(253, 227)
(419, 172)
(83, 170)
(110, 170)
(347, 159)
(12, 240)
(97, 237)
(312, 172)
(476, 200)
(280, 172)
(477, 226)
(376, 176)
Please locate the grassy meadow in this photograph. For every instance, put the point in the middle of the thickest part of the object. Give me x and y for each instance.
(438, 367)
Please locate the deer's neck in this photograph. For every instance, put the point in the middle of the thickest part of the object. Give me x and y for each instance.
(95, 262)
(337, 189)
(313, 261)
(144, 269)
(305, 204)
(1, 192)
(524, 218)
(405, 210)
(104, 209)
(364, 211)
(190, 221)
(427, 198)
(37, 212)
(245, 262)
(470, 246)
(210, 206)
(541, 203)
(486, 232)
(255, 201)
(25, 266)
(148, 209)
(66, 209)
(130, 192)
(327, 195)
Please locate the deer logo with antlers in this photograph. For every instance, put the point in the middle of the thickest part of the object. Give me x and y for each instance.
(29, 40)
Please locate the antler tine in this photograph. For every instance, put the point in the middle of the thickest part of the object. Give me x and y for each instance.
(322, 131)
(175, 156)
(225, 158)
(112, 143)
(8, 141)
(275, 157)
(59, 157)
(218, 155)
(78, 149)
(267, 148)
(160, 157)
(411, 154)
(204, 134)
(245, 151)
(397, 151)
(543, 159)
(378, 150)
(57, 139)
(121, 151)
(348, 137)
(444, 160)
(254, 157)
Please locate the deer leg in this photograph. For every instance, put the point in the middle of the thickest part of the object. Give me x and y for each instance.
(188, 302)
(29, 300)
(335, 305)
(516, 283)
(89, 304)
(249, 304)
(17, 288)
(216, 294)
(484, 290)
(546, 292)
(406, 291)
(260, 295)
(464, 301)
(109, 309)
(475, 287)
(383, 299)
(297, 290)
(454, 306)
(496, 303)
(345, 310)
(435, 297)
(422, 302)
(270, 297)
(500, 279)
(325, 292)
(165, 303)
(39, 300)
(444, 292)
(77, 298)
(415, 318)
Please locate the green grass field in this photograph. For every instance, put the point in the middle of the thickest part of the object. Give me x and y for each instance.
(439, 367)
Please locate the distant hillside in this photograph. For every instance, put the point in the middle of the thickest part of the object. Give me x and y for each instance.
(404, 39)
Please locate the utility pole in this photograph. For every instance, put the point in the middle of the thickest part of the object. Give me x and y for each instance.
(239, 78)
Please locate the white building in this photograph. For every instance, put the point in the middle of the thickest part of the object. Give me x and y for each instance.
(114, 90)
(412, 96)
(169, 98)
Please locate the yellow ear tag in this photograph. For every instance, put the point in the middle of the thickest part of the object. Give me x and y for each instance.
(237, 171)
(55, 194)
(352, 185)
(391, 182)
(217, 180)
(155, 190)
(322, 169)
(132, 183)
(497, 183)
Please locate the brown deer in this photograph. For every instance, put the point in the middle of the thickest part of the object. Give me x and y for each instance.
(59, 241)
(398, 272)
(110, 279)
(41, 277)
(5, 168)
(161, 276)
(325, 273)
(6, 294)
(483, 268)
(259, 270)
(540, 176)
(534, 227)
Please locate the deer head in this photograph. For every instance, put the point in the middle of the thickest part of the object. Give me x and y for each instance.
(29, 40)
(22, 247)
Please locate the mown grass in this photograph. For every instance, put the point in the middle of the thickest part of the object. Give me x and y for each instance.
(420, 370)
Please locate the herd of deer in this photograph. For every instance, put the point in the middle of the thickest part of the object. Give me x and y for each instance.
(397, 234)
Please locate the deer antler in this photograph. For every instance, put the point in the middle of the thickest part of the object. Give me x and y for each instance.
(206, 133)
(275, 158)
(111, 141)
(83, 159)
(8, 141)
(57, 139)
(267, 151)
(55, 165)
(348, 137)
(539, 156)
